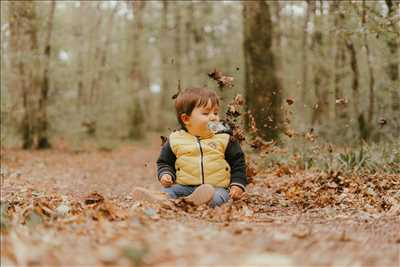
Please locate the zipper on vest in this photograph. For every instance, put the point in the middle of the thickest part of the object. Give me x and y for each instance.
(201, 160)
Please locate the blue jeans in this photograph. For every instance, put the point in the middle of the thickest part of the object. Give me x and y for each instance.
(221, 195)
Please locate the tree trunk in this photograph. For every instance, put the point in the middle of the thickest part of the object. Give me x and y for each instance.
(305, 53)
(393, 66)
(90, 97)
(178, 43)
(340, 108)
(263, 91)
(188, 44)
(278, 42)
(200, 44)
(165, 94)
(137, 115)
(371, 104)
(43, 141)
(25, 45)
(362, 124)
(80, 34)
(321, 74)
(99, 81)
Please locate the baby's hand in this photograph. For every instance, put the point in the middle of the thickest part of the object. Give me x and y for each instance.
(166, 180)
(235, 192)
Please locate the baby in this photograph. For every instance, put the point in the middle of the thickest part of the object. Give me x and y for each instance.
(199, 162)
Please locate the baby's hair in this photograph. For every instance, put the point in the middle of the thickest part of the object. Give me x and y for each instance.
(190, 98)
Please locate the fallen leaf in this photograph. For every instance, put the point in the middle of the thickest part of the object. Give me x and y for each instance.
(93, 198)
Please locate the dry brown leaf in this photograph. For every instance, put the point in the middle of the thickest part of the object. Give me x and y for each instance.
(221, 79)
(93, 198)
(290, 101)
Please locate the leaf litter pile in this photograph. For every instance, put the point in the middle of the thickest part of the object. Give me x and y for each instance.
(70, 208)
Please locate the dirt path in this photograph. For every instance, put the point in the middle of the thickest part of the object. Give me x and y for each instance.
(259, 231)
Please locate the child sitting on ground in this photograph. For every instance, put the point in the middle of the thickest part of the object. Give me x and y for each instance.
(196, 163)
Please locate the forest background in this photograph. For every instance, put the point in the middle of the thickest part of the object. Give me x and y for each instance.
(105, 71)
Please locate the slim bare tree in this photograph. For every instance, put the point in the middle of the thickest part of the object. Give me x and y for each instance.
(340, 108)
(43, 140)
(178, 40)
(305, 52)
(137, 74)
(371, 104)
(165, 96)
(355, 88)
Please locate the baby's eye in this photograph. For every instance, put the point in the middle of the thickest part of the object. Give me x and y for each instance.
(205, 113)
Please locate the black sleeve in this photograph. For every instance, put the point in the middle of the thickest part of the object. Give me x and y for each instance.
(166, 162)
(236, 160)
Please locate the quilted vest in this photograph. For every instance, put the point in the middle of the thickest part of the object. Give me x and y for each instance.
(200, 161)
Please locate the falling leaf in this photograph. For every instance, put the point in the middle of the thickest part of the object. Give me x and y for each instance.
(382, 122)
(239, 100)
(290, 101)
(222, 80)
(259, 144)
(163, 140)
(341, 101)
(232, 111)
(179, 90)
(310, 135)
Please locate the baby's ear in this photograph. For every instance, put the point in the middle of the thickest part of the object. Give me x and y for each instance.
(185, 118)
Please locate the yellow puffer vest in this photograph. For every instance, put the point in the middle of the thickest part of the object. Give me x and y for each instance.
(200, 161)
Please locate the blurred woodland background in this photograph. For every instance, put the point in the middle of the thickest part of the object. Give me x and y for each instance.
(107, 70)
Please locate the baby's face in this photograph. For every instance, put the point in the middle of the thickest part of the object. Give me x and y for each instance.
(197, 123)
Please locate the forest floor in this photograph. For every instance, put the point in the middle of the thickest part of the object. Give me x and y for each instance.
(74, 208)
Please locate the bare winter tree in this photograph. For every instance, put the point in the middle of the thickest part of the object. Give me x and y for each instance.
(137, 74)
(165, 97)
(340, 110)
(43, 140)
(305, 49)
(371, 83)
(393, 66)
(320, 70)
(263, 91)
(25, 62)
